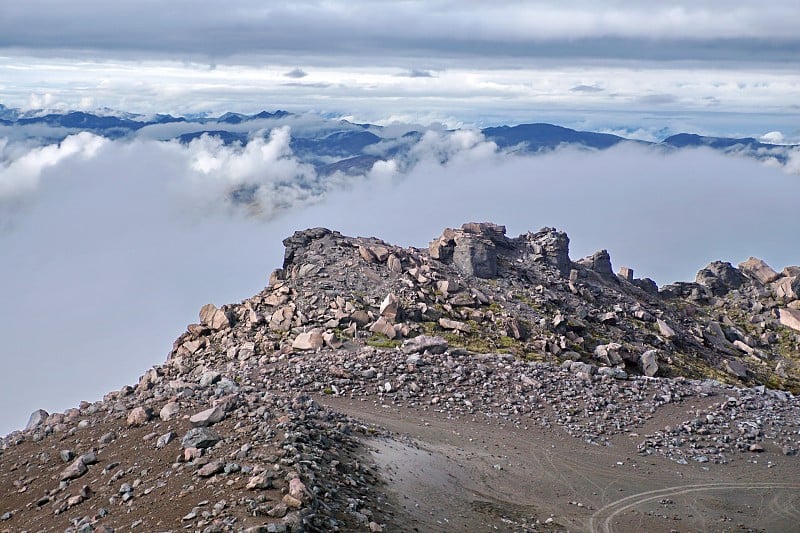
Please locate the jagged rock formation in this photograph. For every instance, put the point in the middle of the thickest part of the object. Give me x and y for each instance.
(231, 430)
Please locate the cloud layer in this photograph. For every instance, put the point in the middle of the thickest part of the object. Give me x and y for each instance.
(714, 68)
(120, 243)
(679, 29)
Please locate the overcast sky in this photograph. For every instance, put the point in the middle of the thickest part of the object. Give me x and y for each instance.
(709, 66)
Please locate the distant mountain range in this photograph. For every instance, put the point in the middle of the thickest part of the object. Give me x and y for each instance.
(334, 145)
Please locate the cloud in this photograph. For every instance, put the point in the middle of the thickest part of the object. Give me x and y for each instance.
(395, 31)
(123, 241)
(417, 73)
(586, 89)
(773, 137)
(657, 99)
(296, 73)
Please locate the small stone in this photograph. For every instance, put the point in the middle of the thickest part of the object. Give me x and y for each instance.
(291, 501)
(208, 470)
(208, 417)
(260, 481)
(74, 471)
(107, 438)
(66, 455)
(165, 439)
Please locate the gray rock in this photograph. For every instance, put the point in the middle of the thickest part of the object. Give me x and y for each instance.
(425, 343)
(36, 419)
(758, 269)
(790, 318)
(648, 362)
(308, 340)
(214, 318)
(599, 262)
(169, 411)
(787, 289)
(201, 437)
(735, 368)
(74, 471)
(475, 256)
(165, 439)
(208, 417)
(720, 277)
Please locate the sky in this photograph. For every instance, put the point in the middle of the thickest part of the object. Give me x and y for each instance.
(109, 248)
(704, 66)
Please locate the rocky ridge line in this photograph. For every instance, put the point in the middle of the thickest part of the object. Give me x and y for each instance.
(480, 325)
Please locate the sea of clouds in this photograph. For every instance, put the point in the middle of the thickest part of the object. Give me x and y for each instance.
(109, 248)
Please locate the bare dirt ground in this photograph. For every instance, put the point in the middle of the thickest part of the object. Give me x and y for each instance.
(470, 474)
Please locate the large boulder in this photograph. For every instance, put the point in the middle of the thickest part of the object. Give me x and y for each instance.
(759, 270)
(721, 277)
(599, 262)
(787, 289)
(214, 318)
(790, 318)
(648, 363)
(475, 255)
(36, 419)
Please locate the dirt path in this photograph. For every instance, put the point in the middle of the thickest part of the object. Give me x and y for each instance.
(472, 474)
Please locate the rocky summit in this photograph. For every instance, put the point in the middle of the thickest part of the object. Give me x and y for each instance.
(484, 383)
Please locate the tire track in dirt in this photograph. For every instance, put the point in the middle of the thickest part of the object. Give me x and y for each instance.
(601, 520)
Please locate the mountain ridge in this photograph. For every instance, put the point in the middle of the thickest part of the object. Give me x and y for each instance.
(267, 414)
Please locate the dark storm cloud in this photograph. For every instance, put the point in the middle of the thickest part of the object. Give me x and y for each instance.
(374, 32)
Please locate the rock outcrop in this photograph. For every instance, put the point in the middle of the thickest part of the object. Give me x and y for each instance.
(229, 433)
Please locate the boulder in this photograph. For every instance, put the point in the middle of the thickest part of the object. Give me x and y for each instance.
(201, 437)
(665, 330)
(36, 419)
(300, 240)
(441, 249)
(383, 327)
(735, 368)
(626, 274)
(214, 318)
(475, 256)
(648, 363)
(139, 416)
(599, 262)
(494, 232)
(74, 471)
(208, 417)
(390, 307)
(790, 318)
(609, 353)
(281, 319)
(447, 323)
(759, 270)
(720, 277)
(308, 340)
(425, 343)
(787, 289)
